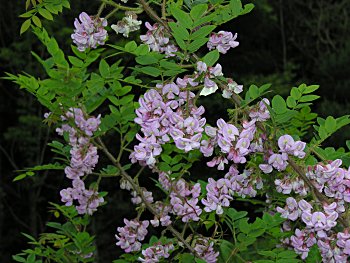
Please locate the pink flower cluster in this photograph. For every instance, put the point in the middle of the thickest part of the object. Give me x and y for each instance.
(205, 250)
(232, 87)
(332, 180)
(222, 41)
(166, 114)
(260, 112)
(89, 31)
(287, 146)
(183, 197)
(208, 73)
(218, 195)
(156, 252)
(224, 136)
(157, 40)
(84, 157)
(319, 229)
(130, 235)
(243, 184)
(288, 184)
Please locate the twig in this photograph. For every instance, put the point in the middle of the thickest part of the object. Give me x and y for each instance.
(136, 187)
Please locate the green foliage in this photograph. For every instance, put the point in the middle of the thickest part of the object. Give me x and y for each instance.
(69, 242)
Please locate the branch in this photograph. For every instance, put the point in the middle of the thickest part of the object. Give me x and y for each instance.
(136, 187)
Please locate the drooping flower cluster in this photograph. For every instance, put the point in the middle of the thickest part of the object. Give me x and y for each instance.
(332, 180)
(130, 235)
(205, 249)
(208, 73)
(319, 229)
(128, 24)
(218, 195)
(157, 40)
(184, 201)
(288, 184)
(156, 252)
(222, 41)
(84, 157)
(243, 184)
(232, 87)
(89, 31)
(287, 146)
(224, 136)
(260, 112)
(165, 114)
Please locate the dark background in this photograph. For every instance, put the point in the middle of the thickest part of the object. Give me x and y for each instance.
(285, 42)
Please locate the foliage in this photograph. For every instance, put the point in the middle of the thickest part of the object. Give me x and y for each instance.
(84, 83)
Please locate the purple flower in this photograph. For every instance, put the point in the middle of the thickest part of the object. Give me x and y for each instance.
(130, 235)
(217, 195)
(156, 252)
(279, 161)
(157, 40)
(205, 250)
(291, 211)
(222, 41)
(89, 31)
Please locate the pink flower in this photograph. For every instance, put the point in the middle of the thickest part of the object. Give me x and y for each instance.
(89, 31)
(222, 41)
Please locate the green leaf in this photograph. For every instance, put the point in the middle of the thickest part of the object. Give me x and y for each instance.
(166, 158)
(287, 254)
(243, 225)
(19, 177)
(18, 258)
(235, 215)
(179, 31)
(330, 124)
(36, 21)
(254, 92)
(164, 167)
(75, 61)
(146, 59)
(25, 26)
(169, 65)
(278, 104)
(202, 32)
(310, 89)
(142, 50)
(270, 254)
(226, 249)
(291, 102)
(182, 17)
(152, 71)
(46, 14)
(197, 44)
(211, 57)
(130, 46)
(295, 93)
(104, 68)
(198, 11)
(308, 98)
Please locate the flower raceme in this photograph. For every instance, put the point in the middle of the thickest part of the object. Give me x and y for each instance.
(222, 41)
(84, 157)
(127, 25)
(89, 31)
(158, 40)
